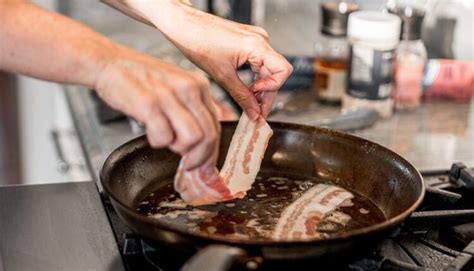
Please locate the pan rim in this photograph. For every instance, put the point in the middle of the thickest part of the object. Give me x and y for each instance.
(376, 228)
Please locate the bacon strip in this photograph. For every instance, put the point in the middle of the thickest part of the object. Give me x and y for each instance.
(245, 155)
(241, 166)
(300, 219)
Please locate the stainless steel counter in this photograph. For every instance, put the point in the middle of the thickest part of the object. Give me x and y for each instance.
(55, 227)
(431, 137)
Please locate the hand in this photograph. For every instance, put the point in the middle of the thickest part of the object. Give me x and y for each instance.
(175, 105)
(220, 47)
(227, 46)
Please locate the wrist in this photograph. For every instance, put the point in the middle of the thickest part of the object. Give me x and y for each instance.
(163, 14)
(104, 54)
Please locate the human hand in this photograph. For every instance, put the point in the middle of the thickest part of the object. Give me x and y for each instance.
(174, 105)
(220, 47)
(228, 46)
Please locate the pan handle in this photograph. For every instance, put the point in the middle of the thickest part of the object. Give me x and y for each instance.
(214, 258)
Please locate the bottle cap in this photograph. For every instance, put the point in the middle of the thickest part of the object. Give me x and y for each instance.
(412, 20)
(335, 17)
(374, 26)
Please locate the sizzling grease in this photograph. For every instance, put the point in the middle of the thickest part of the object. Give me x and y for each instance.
(255, 216)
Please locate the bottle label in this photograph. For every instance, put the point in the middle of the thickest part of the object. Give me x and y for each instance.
(370, 73)
(330, 79)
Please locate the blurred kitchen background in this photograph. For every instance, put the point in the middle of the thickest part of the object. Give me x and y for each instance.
(42, 124)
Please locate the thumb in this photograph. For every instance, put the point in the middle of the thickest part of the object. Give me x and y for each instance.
(241, 94)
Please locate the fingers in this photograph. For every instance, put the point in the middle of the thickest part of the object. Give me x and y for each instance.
(272, 71)
(207, 99)
(192, 95)
(241, 93)
(208, 102)
(159, 131)
(210, 106)
(181, 118)
(266, 102)
(174, 105)
(186, 129)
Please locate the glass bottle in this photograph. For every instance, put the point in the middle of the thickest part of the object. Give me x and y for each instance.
(332, 52)
(410, 60)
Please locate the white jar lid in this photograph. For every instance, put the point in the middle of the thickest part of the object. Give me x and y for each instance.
(374, 26)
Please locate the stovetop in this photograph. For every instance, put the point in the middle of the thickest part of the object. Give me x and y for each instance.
(438, 236)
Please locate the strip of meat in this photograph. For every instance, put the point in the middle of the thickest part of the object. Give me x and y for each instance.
(300, 219)
(241, 166)
(198, 188)
(245, 154)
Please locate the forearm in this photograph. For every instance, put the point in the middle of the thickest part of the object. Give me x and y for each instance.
(163, 14)
(48, 46)
(126, 9)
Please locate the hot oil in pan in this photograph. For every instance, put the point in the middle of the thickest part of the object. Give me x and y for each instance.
(256, 215)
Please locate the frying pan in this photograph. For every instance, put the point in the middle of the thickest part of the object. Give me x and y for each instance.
(134, 170)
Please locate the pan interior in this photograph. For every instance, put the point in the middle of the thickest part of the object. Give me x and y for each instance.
(296, 152)
(255, 216)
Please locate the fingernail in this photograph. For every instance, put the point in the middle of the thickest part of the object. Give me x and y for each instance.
(252, 114)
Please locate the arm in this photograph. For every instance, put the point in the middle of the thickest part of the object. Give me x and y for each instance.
(126, 8)
(219, 47)
(174, 104)
(48, 46)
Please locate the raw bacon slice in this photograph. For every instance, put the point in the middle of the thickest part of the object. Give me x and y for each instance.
(241, 166)
(245, 154)
(198, 188)
(300, 219)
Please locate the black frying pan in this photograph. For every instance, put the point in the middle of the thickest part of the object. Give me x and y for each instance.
(134, 170)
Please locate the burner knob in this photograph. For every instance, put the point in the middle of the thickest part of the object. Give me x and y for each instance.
(467, 177)
(462, 175)
(455, 170)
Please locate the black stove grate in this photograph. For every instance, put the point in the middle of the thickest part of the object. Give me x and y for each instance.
(438, 236)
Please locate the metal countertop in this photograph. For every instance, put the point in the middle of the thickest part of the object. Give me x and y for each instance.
(61, 226)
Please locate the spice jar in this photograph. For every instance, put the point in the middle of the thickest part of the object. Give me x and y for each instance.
(373, 37)
(449, 79)
(332, 52)
(410, 59)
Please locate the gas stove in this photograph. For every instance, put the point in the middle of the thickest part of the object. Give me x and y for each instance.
(438, 236)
